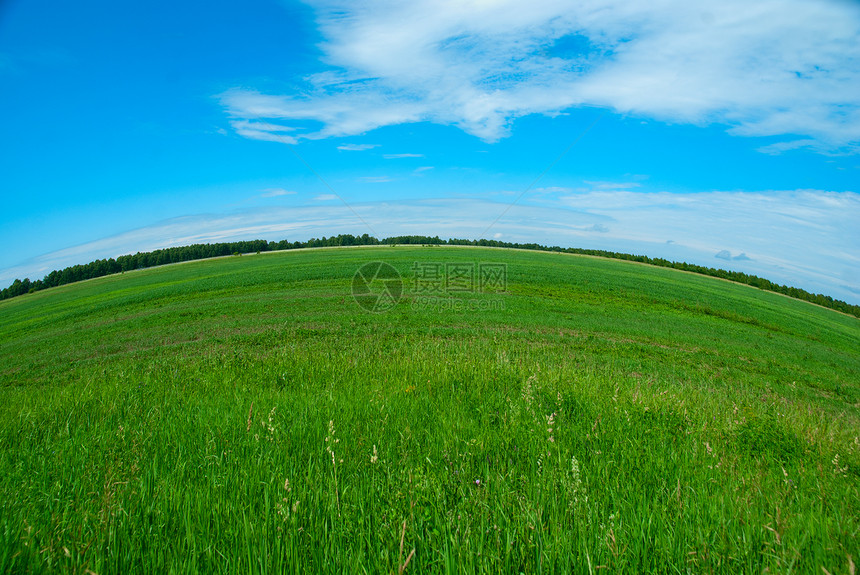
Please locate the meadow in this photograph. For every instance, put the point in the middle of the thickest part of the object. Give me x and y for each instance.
(245, 414)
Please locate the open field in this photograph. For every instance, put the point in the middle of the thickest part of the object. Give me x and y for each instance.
(246, 415)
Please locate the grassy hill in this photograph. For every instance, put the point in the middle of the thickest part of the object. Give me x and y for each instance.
(245, 414)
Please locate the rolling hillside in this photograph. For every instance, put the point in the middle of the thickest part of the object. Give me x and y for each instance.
(494, 411)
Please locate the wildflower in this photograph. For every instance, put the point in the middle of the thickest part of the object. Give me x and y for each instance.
(374, 457)
(574, 486)
(787, 481)
(837, 469)
(550, 422)
(330, 440)
(268, 426)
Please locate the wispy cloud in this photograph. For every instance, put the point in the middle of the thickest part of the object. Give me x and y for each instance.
(612, 186)
(781, 147)
(357, 147)
(776, 227)
(776, 231)
(374, 179)
(276, 192)
(325, 197)
(400, 156)
(552, 190)
(263, 131)
(770, 68)
(422, 169)
(727, 255)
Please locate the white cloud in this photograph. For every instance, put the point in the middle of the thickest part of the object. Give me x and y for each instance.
(276, 192)
(773, 67)
(612, 185)
(552, 190)
(805, 238)
(325, 197)
(374, 179)
(792, 236)
(400, 156)
(357, 147)
(263, 131)
(780, 147)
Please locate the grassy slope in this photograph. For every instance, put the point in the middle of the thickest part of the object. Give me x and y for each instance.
(696, 424)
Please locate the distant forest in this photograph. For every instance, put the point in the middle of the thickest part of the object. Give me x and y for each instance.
(140, 260)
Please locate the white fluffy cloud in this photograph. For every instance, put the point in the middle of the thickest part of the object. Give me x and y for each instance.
(772, 67)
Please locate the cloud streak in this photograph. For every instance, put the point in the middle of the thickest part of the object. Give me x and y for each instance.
(788, 68)
(357, 147)
(276, 192)
(776, 226)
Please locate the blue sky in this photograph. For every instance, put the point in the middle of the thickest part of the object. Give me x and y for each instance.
(721, 133)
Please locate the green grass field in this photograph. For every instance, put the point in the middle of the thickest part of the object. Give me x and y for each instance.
(245, 415)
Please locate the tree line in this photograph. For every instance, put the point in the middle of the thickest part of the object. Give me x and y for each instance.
(140, 260)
